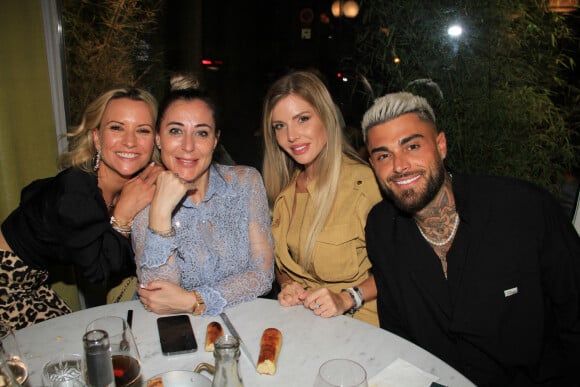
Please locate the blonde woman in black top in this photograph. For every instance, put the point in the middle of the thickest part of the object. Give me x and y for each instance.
(83, 215)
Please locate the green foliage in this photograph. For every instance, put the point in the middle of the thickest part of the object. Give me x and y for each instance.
(496, 89)
(108, 44)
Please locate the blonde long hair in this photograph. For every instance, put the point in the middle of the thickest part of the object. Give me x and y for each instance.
(82, 148)
(279, 168)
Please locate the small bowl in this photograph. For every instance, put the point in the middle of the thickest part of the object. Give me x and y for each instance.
(181, 379)
(64, 370)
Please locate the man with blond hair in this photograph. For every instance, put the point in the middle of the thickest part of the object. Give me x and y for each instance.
(483, 272)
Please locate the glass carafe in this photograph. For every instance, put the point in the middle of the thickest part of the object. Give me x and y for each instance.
(227, 355)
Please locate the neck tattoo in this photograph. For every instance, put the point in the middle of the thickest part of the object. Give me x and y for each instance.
(448, 239)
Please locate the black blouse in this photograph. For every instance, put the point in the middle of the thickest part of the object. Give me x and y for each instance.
(64, 220)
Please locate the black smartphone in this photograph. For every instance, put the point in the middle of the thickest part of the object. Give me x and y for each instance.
(176, 335)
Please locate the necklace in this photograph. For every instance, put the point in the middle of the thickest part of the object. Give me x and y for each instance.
(448, 239)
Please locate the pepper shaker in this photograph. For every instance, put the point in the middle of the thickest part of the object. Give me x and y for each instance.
(98, 361)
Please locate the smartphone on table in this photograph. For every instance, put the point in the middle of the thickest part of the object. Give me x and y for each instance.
(176, 335)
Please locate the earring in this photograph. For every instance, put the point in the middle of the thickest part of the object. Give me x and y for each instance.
(97, 160)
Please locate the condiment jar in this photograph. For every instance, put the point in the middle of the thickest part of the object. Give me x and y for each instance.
(98, 361)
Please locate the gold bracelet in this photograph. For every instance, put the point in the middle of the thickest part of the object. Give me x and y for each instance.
(165, 233)
(122, 228)
(116, 222)
(199, 306)
(122, 231)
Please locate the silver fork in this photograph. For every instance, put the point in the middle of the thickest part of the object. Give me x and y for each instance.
(124, 344)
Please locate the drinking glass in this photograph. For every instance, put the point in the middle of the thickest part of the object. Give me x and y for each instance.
(341, 373)
(9, 346)
(7, 378)
(64, 370)
(124, 352)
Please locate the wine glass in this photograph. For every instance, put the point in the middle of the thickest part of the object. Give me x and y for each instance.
(11, 350)
(124, 352)
(341, 373)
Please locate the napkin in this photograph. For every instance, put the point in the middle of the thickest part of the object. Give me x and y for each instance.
(401, 373)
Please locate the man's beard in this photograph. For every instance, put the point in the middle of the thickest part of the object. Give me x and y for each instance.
(412, 201)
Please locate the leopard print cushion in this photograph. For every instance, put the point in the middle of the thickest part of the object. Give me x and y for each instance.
(25, 296)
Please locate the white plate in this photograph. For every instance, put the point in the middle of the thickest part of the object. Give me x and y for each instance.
(183, 379)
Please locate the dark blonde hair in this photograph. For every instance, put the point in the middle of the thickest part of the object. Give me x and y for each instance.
(82, 148)
(279, 169)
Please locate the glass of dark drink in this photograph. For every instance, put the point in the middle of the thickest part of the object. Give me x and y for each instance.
(124, 352)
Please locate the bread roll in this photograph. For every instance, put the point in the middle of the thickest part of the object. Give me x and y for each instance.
(269, 349)
(214, 330)
(155, 382)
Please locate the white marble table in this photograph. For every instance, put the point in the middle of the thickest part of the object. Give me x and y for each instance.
(308, 341)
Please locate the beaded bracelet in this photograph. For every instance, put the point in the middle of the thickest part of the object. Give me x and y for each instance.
(165, 233)
(356, 299)
(359, 292)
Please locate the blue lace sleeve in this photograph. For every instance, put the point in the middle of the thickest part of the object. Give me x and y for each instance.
(258, 274)
(153, 252)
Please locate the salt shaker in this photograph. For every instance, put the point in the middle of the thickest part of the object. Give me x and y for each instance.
(98, 361)
(227, 355)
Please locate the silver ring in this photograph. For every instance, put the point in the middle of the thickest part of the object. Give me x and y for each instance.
(316, 306)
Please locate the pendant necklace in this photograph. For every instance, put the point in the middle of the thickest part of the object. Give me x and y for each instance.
(448, 239)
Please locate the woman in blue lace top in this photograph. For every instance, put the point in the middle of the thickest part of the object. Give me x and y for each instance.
(204, 243)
